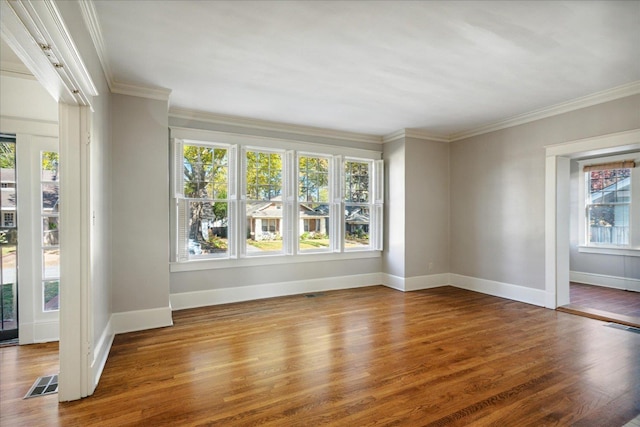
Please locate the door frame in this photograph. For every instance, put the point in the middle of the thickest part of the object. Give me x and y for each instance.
(36, 32)
(557, 175)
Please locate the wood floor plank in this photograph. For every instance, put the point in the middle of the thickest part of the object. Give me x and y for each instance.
(368, 356)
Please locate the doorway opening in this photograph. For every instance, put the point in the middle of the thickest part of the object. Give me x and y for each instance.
(559, 274)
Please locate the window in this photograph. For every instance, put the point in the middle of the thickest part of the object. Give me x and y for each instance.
(8, 219)
(263, 193)
(608, 205)
(610, 198)
(203, 205)
(242, 202)
(314, 209)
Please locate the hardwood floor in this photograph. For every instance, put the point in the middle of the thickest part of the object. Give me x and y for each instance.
(612, 305)
(369, 356)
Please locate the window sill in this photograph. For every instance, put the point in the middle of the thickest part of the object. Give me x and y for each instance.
(610, 250)
(211, 264)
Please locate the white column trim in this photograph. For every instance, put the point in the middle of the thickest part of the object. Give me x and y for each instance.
(75, 301)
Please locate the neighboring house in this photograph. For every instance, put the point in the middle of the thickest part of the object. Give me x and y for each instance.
(264, 220)
(8, 198)
(356, 220)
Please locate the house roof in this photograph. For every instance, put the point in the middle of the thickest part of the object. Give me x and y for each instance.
(271, 209)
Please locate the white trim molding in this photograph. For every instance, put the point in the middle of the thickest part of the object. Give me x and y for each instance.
(415, 134)
(15, 69)
(612, 94)
(140, 320)
(249, 123)
(100, 355)
(158, 93)
(415, 283)
(39, 332)
(29, 126)
(615, 282)
(92, 22)
(607, 250)
(499, 289)
(184, 300)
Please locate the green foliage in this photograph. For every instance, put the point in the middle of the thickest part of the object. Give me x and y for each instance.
(51, 290)
(215, 244)
(50, 161)
(313, 179)
(356, 182)
(7, 155)
(205, 172)
(264, 175)
(7, 302)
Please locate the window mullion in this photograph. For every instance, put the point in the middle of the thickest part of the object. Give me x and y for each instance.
(289, 210)
(337, 208)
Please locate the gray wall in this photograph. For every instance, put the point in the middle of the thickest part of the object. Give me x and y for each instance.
(393, 257)
(608, 265)
(426, 207)
(416, 208)
(497, 191)
(140, 203)
(100, 170)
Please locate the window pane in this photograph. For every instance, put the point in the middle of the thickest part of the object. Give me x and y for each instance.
(264, 176)
(208, 228)
(313, 179)
(50, 231)
(356, 182)
(50, 195)
(264, 226)
(51, 263)
(314, 227)
(51, 295)
(50, 163)
(609, 224)
(357, 221)
(205, 172)
(609, 186)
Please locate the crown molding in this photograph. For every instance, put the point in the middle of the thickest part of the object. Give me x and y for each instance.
(414, 134)
(159, 93)
(612, 94)
(92, 22)
(245, 122)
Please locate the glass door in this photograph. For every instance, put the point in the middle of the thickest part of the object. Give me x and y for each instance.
(8, 239)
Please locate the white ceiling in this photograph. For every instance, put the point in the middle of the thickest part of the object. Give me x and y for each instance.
(372, 67)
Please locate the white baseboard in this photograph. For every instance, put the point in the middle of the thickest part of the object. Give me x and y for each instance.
(426, 282)
(605, 281)
(504, 290)
(139, 320)
(38, 332)
(100, 354)
(195, 299)
(407, 284)
(394, 282)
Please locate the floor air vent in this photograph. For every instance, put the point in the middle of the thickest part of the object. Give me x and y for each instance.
(42, 386)
(623, 327)
(314, 295)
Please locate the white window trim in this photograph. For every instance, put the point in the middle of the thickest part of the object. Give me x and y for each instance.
(633, 249)
(238, 143)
